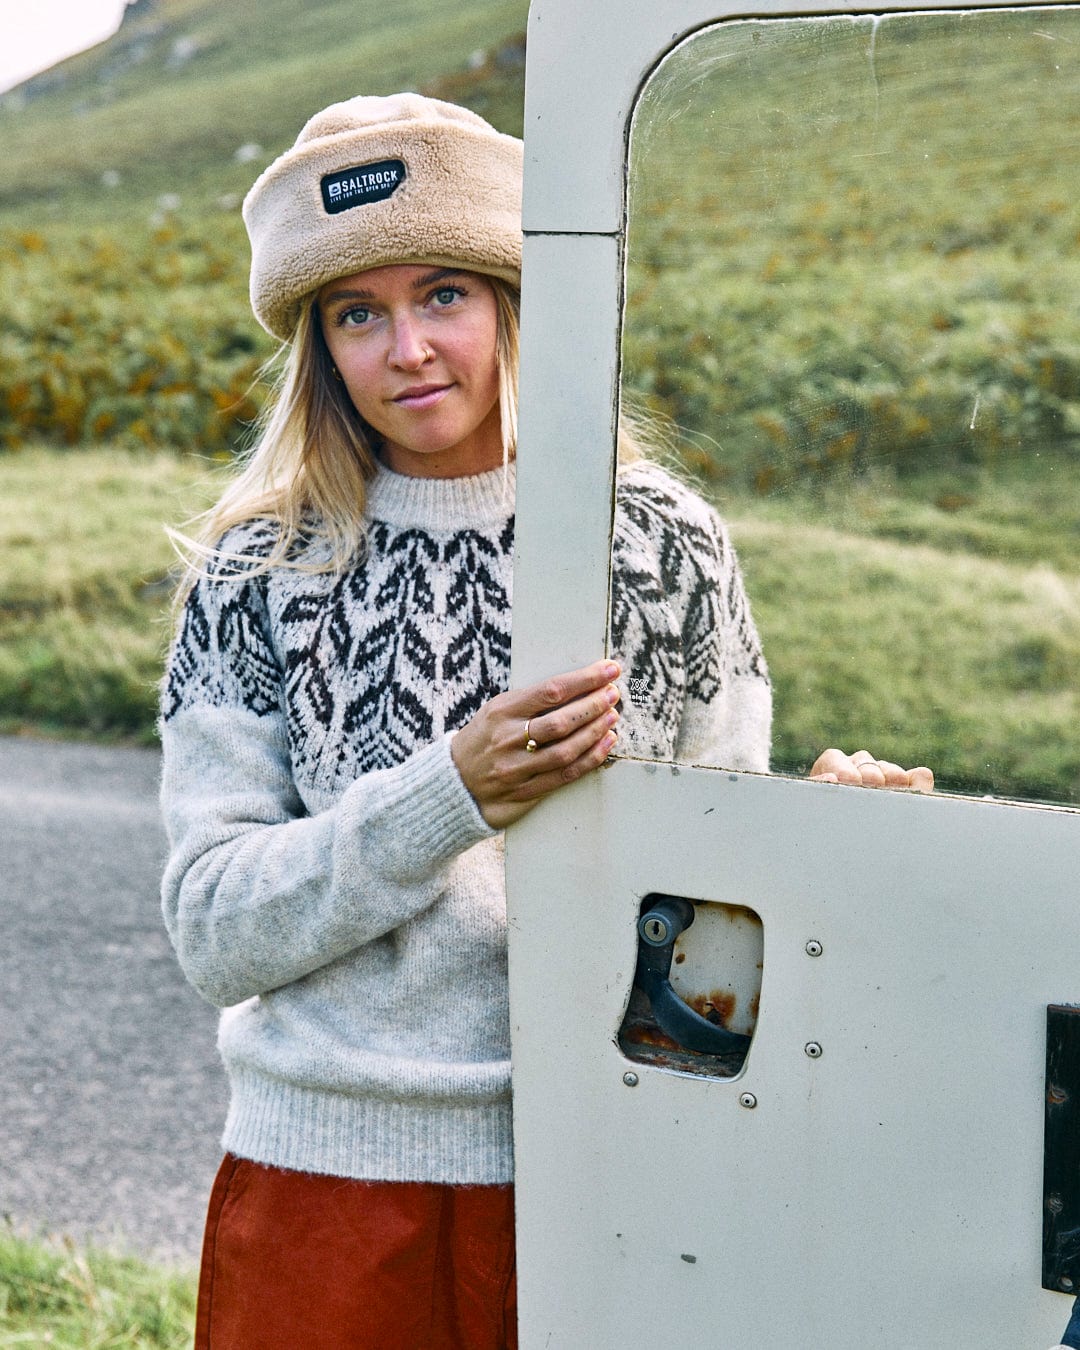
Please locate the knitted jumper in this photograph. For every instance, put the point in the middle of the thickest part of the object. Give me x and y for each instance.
(331, 883)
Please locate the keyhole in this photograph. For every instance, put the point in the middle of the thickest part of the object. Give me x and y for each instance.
(656, 930)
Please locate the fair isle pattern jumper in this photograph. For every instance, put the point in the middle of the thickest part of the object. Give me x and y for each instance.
(331, 883)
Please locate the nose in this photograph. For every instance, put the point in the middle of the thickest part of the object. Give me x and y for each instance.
(408, 348)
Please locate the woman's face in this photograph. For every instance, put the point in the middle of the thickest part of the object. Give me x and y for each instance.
(415, 346)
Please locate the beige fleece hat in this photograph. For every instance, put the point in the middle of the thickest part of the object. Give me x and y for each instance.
(372, 181)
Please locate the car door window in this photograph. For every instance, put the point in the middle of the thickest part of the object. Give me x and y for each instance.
(851, 309)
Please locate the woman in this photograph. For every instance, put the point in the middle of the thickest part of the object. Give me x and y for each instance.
(341, 750)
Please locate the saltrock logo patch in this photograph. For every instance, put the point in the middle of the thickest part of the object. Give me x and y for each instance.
(366, 183)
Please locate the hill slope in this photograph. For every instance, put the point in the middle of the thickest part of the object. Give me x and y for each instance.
(166, 104)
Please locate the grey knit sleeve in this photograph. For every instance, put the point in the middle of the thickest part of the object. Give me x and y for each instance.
(259, 889)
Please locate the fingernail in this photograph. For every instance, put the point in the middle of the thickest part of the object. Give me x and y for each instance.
(613, 694)
(611, 718)
(611, 671)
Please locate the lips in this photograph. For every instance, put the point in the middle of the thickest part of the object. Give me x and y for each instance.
(421, 396)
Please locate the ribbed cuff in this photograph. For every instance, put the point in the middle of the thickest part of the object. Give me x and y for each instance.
(425, 816)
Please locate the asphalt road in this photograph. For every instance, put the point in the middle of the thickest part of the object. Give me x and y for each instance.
(111, 1094)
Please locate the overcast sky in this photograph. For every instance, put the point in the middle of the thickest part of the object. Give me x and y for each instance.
(35, 34)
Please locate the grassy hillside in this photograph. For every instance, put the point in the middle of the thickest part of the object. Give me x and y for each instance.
(857, 243)
(123, 259)
(164, 106)
(934, 636)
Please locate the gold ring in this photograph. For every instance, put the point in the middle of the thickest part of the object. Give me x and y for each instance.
(530, 744)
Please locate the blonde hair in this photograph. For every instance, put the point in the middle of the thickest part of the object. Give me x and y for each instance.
(308, 468)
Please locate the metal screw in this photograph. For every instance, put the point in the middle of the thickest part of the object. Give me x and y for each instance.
(748, 1100)
(630, 1079)
(814, 947)
(813, 1049)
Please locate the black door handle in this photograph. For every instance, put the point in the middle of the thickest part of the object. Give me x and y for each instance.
(658, 928)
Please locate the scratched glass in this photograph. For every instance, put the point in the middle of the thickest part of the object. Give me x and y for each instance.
(853, 285)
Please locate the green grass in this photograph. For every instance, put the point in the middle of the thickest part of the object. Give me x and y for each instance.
(84, 586)
(141, 334)
(922, 651)
(935, 619)
(64, 1296)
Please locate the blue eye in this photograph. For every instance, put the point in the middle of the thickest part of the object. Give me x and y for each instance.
(354, 317)
(446, 295)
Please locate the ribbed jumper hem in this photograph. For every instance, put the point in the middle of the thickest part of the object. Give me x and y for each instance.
(307, 1130)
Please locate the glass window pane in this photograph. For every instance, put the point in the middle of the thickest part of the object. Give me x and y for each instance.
(852, 286)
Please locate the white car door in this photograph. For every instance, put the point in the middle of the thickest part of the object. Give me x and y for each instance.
(871, 1172)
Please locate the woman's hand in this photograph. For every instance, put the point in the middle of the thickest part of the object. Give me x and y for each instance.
(528, 743)
(863, 770)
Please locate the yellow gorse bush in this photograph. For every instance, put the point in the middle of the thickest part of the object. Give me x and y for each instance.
(145, 341)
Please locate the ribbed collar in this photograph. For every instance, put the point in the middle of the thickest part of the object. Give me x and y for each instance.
(441, 504)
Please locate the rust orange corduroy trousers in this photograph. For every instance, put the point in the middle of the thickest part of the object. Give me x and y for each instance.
(293, 1261)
